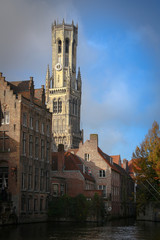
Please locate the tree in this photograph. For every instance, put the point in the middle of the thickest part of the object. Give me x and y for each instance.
(146, 164)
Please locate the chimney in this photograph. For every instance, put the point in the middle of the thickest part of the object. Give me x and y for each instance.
(31, 88)
(94, 139)
(43, 95)
(125, 164)
(60, 157)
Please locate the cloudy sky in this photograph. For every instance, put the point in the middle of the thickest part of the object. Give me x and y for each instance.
(118, 53)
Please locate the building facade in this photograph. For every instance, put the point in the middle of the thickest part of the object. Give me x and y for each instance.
(70, 176)
(63, 87)
(102, 168)
(25, 149)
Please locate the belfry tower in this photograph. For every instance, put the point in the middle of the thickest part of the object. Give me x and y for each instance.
(63, 87)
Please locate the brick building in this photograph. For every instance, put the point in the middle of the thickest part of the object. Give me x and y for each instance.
(106, 175)
(70, 176)
(127, 187)
(25, 148)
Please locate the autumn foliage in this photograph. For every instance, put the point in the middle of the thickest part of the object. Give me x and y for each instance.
(146, 164)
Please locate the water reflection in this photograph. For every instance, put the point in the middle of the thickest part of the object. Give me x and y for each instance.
(115, 230)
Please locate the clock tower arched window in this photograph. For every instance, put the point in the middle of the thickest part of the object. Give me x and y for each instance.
(67, 45)
(59, 46)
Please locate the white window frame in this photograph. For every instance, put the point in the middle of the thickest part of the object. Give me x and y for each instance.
(86, 157)
(102, 173)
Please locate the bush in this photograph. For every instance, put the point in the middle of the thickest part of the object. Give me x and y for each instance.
(77, 208)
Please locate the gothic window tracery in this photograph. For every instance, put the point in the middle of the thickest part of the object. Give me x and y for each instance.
(54, 106)
(59, 105)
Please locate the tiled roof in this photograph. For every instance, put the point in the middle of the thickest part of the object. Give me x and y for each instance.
(71, 163)
(107, 159)
(116, 159)
(121, 170)
(73, 150)
(20, 86)
(38, 93)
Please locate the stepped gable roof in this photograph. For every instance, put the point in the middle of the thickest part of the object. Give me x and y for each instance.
(22, 87)
(116, 159)
(107, 159)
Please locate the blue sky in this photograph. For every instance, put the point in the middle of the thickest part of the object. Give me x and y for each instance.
(118, 53)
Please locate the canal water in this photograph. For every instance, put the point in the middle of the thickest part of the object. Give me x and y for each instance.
(114, 230)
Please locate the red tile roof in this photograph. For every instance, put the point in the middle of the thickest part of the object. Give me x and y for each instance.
(73, 150)
(20, 86)
(116, 159)
(71, 163)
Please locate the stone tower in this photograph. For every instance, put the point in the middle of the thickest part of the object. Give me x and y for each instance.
(63, 87)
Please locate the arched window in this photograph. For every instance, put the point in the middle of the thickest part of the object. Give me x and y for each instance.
(54, 106)
(67, 45)
(73, 48)
(59, 105)
(66, 52)
(59, 46)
